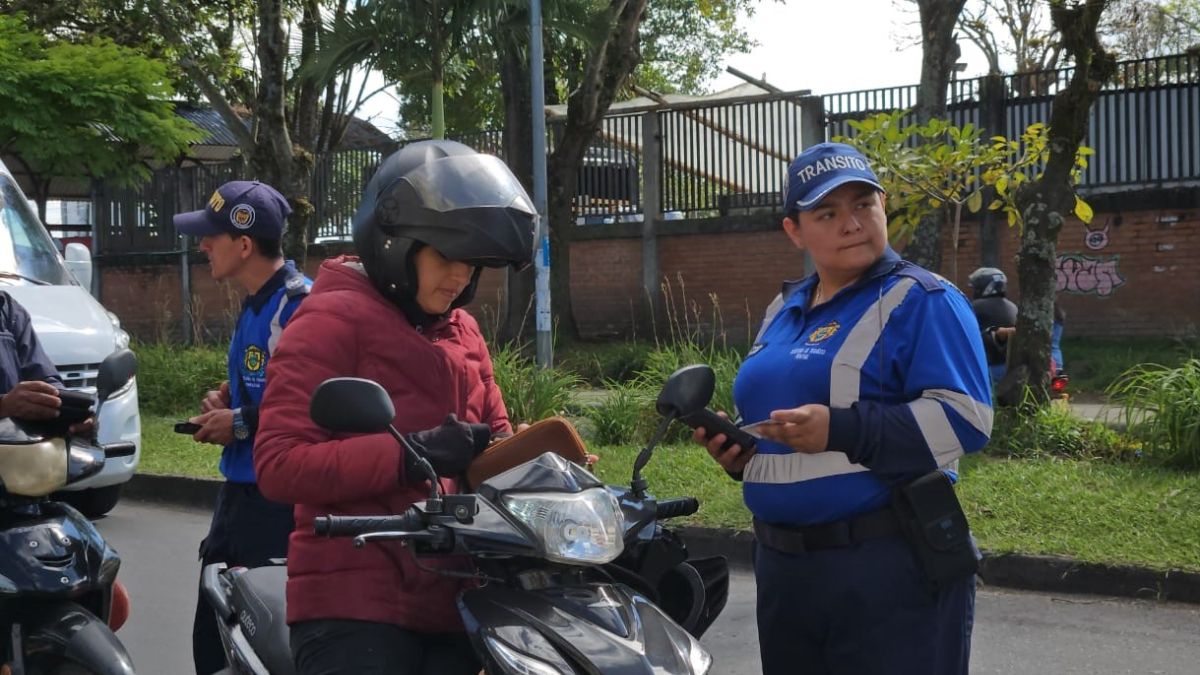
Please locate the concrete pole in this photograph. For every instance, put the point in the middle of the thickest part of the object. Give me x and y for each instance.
(545, 337)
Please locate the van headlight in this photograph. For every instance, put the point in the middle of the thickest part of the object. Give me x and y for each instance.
(120, 337)
(582, 528)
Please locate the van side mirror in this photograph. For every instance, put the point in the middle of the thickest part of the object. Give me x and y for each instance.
(116, 370)
(352, 405)
(79, 263)
(686, 391)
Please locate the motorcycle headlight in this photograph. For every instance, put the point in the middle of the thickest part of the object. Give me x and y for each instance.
(576, 528)
(516, 662)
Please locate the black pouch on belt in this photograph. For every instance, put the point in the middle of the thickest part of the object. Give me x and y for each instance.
(935, 526)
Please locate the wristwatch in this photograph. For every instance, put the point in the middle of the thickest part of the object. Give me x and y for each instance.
(240, 431)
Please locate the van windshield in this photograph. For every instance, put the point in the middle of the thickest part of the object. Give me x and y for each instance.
(26, 249)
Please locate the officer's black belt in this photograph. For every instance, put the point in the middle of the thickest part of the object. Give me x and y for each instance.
(798, 539)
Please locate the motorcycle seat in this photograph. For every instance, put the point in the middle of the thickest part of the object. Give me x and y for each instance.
(259, 602)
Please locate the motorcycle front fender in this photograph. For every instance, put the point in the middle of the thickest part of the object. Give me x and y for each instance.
(75, 635)
(605, 628)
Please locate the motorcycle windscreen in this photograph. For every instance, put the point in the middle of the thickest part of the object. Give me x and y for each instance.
(603, 628)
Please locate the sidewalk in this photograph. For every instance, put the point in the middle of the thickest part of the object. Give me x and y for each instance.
(1051, 574)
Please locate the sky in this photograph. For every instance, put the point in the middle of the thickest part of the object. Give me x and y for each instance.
(823, 45)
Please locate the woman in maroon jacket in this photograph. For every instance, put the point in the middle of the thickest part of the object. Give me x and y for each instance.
(432, 216)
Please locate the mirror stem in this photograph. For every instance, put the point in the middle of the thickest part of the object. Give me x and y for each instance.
(638, 484)
(433, 504)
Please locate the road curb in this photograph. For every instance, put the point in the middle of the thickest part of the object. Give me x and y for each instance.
(1051, 574)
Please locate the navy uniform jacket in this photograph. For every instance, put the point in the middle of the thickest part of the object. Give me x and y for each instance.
(898, 360)
(259, 326)
(21, 355)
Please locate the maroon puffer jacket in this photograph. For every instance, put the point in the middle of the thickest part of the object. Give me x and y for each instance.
(346, 328)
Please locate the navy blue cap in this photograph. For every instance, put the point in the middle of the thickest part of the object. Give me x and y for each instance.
(821, 169)
(238, 207)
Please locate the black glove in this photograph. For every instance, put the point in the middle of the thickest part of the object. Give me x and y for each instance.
(449, 448)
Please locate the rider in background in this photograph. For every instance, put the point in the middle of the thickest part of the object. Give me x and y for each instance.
(997, 317)
(433, 215)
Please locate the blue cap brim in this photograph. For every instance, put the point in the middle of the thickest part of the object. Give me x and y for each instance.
(196, 224)
(812, 202)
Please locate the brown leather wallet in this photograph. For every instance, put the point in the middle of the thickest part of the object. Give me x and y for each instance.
(554, 434)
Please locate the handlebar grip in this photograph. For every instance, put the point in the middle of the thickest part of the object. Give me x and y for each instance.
(352, 526)
(112, 450)
(674, 508)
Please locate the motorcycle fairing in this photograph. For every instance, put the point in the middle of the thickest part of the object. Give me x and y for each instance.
(66, 632)
(592, 628)
(70, 558)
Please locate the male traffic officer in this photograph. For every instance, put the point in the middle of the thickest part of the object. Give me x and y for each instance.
(870, 381)
(241, 230)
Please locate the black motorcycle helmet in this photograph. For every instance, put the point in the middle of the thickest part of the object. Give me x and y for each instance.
(467, 205)
(987, 282)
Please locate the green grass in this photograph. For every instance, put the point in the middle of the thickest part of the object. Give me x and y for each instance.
(1094, 363)
(1116, 513)
(166, 452)
(1091, 511)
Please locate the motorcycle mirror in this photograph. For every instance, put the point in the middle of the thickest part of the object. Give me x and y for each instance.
(686, 391)
(116, 370)
(353, 405)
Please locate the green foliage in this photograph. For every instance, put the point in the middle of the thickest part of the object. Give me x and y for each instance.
(172, 379)
(531, 393)
(91, 109)
(1162, 407)
(937, 165)
(1094, 364)
(683, 42)
(624, 416)
(601, 363)
(1033, 431)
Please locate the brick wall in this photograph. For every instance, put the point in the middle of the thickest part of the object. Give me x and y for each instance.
(1131, 272)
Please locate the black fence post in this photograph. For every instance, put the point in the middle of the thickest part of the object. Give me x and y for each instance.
(651, 209)
(993, 117)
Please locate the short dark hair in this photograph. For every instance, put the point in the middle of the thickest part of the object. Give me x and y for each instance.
(272, 249)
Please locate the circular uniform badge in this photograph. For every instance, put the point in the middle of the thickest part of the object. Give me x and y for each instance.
(242, 216)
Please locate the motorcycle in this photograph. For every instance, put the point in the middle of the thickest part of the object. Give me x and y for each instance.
(574, 575)
(59, 602)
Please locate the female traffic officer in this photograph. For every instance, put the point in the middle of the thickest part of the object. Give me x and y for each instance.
(433, 215)
(869, 374)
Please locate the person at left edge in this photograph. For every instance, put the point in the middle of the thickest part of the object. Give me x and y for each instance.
(241, 231)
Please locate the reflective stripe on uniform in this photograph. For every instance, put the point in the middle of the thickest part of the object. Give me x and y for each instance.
(276, 326)
(844, 388)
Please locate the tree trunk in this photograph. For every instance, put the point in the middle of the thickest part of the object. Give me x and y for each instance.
(517, 313)
(995, 123)
(939, 53)
(1045, 203)
(277, 161)
(608, 67)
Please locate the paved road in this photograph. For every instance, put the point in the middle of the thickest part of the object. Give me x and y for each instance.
(1016, 633)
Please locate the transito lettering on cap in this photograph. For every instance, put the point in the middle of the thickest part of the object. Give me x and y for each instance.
(830, 164)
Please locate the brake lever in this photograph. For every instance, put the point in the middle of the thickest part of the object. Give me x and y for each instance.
(364, 539)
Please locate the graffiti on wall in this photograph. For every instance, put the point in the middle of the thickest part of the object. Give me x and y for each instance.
(1088, 275)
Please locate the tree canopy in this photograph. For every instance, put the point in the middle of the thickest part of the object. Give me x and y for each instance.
(88, 109)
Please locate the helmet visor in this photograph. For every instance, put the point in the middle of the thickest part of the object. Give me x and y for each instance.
(468, 182)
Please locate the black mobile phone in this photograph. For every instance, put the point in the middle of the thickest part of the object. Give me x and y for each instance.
(715, 424)
(188, 428)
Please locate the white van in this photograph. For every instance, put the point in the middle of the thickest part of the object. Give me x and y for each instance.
(75, 331)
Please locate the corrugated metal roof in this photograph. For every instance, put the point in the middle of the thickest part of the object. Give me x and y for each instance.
(360, 134)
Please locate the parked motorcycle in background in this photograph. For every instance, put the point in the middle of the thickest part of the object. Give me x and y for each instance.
(57, 574)
(575, 576)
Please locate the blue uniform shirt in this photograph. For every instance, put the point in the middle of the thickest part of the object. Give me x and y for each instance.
(259, 326)
(898, 360)
(21, 355)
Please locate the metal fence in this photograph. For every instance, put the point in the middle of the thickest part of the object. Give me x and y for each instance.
(1144, 128)
(729, 157)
